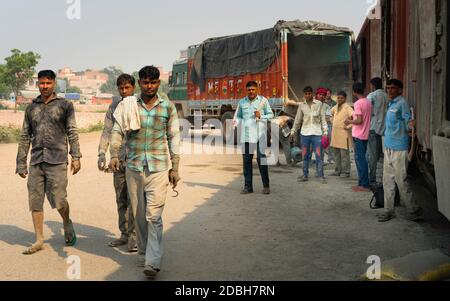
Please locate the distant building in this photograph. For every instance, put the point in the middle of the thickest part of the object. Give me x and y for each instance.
(102, 99)
(89, 82)
(32, 84)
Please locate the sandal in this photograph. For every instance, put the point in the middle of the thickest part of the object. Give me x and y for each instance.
(33, 249)
(117, 243)
(70, 235)
(385, 217)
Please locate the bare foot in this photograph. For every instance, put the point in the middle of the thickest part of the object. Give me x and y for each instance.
(34, 248)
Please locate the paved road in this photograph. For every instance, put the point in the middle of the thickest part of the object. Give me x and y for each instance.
(300, 232)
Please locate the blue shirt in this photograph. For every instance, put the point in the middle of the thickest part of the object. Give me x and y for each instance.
(251, 129)
(398, 116)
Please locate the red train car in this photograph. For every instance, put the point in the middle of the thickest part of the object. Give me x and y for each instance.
(409, 40)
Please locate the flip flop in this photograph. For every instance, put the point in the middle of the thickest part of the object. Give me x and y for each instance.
(69, 231)
(117, 243)
(33, 249)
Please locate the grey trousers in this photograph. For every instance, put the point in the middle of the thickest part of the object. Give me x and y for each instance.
(342, 158)
(330, 151)
(124, 210)
(148, 192)
(374, 154)
(395, 173)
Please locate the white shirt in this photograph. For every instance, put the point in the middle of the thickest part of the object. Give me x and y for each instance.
(311, 119)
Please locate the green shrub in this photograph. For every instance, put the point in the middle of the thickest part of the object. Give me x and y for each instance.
(92, 128)
(22, 107)
(9, 134)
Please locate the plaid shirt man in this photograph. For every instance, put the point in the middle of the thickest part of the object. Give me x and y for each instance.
(149, 148)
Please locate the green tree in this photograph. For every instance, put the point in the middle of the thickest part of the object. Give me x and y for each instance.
(71, 89)
(137, 90)
(110, 85)
(4, 89)
(18, 70)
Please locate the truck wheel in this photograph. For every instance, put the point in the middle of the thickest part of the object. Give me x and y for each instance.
(225, 133)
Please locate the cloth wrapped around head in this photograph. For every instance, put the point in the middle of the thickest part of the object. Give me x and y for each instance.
(321, 91)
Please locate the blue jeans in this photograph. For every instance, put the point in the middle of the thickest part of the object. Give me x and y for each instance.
(361, 162)
(309, 144)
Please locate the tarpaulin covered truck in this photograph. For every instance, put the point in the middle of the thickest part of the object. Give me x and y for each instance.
(210, 79)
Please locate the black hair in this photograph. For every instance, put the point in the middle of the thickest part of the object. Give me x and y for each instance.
(149, 72)
(358, 88)
(377, 83)
(251, 84)
(47, 73)
(126, 79)
(342, 93)
(308, 89)
(395, 82)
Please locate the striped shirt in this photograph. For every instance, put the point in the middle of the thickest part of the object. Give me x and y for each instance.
(149, 148)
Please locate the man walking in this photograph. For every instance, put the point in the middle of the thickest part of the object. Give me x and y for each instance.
(360, 132)
(379, 100)
(341, 140)
(253, 115)
(396, 141)
(126, 86)
(311, 119)
(49, 123)
(150, 151)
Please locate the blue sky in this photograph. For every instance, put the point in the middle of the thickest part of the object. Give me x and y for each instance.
(134, 33)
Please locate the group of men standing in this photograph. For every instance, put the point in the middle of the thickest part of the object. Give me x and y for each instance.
(380, 125)
(376, 126)
(143, 135)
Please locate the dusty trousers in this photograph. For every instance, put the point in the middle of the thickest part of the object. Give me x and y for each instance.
(395, 173)
(148, 192)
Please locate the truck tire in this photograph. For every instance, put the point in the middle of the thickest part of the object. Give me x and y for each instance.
(226, 134)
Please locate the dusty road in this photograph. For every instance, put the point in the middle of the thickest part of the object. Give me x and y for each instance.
(84, 119)
(300, 232)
